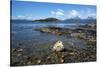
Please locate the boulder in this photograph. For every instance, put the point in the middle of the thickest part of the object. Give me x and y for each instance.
(58, 46)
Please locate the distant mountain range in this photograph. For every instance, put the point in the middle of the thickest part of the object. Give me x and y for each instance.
(79, 20)
(71, 20)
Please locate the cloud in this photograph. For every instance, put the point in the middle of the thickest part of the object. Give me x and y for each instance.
(58, 12)
(28, 17)
(81, 14)
(20, 16)
(90, 13)
(74, 13)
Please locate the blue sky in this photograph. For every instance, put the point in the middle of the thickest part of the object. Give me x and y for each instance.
(39, 10)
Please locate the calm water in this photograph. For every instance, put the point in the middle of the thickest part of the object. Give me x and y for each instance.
(34, 42)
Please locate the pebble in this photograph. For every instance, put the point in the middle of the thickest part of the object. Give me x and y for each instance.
(71, 53)
(25, 56)
(62, 60)
(62, 56)
(39, 61)
(29, 62)
(48, 58)
(19, 55)
(20, 50)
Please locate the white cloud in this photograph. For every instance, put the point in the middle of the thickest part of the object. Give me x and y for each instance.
(20, 16)
(58, 12)
(81, 14)
(28, 17)
(74, 13)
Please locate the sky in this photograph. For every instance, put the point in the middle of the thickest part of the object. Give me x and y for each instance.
(40, 10)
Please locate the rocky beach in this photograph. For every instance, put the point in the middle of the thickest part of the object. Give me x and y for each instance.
(58, 51)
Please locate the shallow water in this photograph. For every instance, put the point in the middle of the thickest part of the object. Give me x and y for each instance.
(34, 42)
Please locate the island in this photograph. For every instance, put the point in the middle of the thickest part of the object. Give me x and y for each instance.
(47, 20)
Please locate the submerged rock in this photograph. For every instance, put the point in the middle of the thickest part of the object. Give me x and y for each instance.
(58, 46)
(44, 30)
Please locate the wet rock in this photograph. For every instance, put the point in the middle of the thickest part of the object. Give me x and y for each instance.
(54, 30)
(44, 30)
(20, 50)
(58, 46)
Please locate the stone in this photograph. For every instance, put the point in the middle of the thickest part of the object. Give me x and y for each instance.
(71, 53)
(62, 56)
(58, 46)
(19, 55)
(45, 30)
(62, 61)
(14, 50)
(39, 61)
(20, 50)
(29, 62)
(48, 58)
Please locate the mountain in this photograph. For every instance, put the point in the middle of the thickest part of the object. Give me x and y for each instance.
(47, 20)
(79, 20)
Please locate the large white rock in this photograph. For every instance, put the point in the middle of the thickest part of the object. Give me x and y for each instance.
(58, 46)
